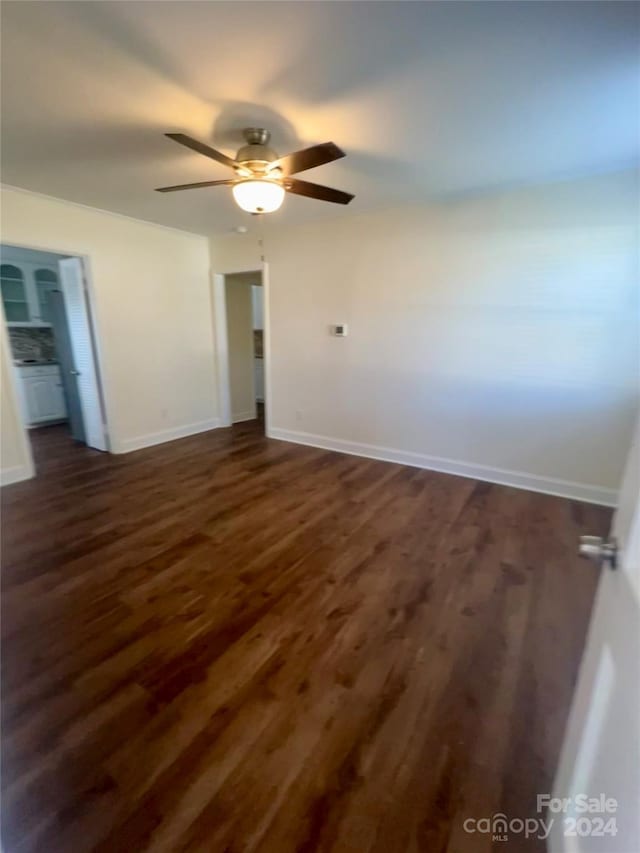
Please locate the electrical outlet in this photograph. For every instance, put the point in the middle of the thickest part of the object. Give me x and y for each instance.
(298, 415)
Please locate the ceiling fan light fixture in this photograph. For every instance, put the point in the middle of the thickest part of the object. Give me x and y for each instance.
(261, 176)
(258, 195)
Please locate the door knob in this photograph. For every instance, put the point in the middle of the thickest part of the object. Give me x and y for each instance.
(601, 551)
(74, 372)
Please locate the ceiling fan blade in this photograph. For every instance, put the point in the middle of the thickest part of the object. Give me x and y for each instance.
(195, 186)
(317, 191)
(317, 155)
(201, 148)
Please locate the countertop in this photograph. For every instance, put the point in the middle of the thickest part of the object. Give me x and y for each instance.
(33, 362)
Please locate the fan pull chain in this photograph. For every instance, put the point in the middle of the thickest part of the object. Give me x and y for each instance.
(261, 236)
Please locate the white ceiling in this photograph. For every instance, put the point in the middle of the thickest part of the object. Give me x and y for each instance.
(427, 99)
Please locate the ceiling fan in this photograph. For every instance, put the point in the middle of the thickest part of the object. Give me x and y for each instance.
(261, 176)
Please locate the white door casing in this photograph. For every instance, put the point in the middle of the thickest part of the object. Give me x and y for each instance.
(77, 310)
(222, 345)
(222, 349)
(601, 750)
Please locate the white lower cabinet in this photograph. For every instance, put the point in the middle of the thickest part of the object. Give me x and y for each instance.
(42, 397)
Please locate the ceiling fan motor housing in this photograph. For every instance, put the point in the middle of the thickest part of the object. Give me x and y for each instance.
(256, 154)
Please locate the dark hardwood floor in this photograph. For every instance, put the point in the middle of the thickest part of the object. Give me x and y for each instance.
(228, 643)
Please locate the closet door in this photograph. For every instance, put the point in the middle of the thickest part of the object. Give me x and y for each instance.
(78, 321)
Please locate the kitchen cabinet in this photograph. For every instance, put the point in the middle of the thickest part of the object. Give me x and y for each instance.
(45, 280)
(24, 287)
(14, 294)
(41, 395)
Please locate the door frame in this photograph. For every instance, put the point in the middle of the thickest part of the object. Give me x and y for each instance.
(85, 262)
(28, 470)
(219, 304)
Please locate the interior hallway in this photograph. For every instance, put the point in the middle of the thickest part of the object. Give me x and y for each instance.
(234, 643)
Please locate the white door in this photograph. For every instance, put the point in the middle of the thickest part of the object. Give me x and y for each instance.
(75, 303)
(599, 772)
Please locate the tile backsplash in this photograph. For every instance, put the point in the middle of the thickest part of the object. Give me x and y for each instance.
(32, 343)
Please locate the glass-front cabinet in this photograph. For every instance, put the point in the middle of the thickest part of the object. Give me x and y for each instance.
(45, 280)
(14, 294)
(24, 289)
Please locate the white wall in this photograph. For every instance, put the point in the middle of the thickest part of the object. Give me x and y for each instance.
(238, 296)
(496, 337)
(153, 310)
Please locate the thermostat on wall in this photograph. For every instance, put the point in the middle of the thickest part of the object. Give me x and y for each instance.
(341, 330)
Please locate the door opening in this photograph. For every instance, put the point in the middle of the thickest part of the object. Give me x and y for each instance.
(243, 341)
(54, 362)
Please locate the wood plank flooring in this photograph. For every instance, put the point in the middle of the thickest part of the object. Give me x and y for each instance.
(228, 643)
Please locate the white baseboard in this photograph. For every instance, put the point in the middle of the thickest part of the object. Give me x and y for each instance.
(504, 477)
(15, 474)
(152, 438)
(244, 416)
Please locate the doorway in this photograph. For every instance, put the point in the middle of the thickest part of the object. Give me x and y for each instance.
(240, 303)
(53, 361)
